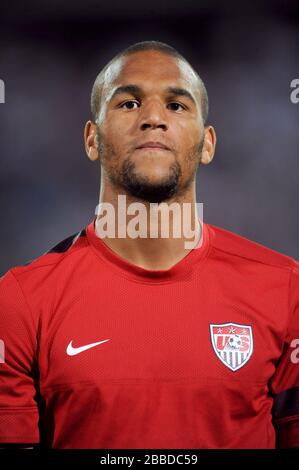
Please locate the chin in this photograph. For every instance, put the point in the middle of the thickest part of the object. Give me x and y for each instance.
(156, 185)
(154, 180)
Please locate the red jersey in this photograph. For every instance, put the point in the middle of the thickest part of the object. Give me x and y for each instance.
(99, 353)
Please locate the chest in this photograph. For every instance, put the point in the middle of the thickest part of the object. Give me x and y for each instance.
(171, 332)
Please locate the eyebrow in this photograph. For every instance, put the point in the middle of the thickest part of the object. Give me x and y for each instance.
(136, 90)
(130, 89)
(181, 92)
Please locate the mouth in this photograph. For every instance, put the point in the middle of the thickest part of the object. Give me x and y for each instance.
(152, 146)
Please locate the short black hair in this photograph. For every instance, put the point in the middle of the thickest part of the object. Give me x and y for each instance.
(145, 46)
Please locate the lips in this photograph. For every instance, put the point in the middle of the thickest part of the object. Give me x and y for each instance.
(153, 145)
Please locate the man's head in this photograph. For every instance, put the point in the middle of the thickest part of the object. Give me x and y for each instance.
(149, 95)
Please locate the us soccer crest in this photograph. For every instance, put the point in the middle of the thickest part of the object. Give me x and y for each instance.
(232, 343)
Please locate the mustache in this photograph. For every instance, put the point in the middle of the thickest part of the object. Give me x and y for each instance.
(196, 148)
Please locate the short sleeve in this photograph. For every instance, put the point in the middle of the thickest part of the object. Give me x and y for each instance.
(18, 406)
(285, 383)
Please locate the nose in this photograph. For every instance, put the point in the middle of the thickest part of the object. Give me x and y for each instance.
(153, 116)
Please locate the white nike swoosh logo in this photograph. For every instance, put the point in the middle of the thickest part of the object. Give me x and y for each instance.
(71, 351)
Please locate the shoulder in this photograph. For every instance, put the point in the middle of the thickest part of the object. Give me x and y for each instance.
(231, 244)
(57, 258)
(30, 290)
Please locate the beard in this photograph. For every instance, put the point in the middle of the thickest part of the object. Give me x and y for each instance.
(140, 187)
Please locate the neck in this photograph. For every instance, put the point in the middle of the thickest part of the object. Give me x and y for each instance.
(152, 236)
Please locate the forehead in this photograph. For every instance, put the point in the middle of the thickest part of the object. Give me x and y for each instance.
(151, 69)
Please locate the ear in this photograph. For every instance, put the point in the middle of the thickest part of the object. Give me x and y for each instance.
(209, 145)
(90, 141)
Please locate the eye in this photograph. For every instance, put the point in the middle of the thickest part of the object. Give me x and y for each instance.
(129, 104)
(174, 106)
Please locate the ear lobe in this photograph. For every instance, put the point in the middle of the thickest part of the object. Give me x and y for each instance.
(206, 158)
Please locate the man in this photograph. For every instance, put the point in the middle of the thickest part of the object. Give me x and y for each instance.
(139, 342)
